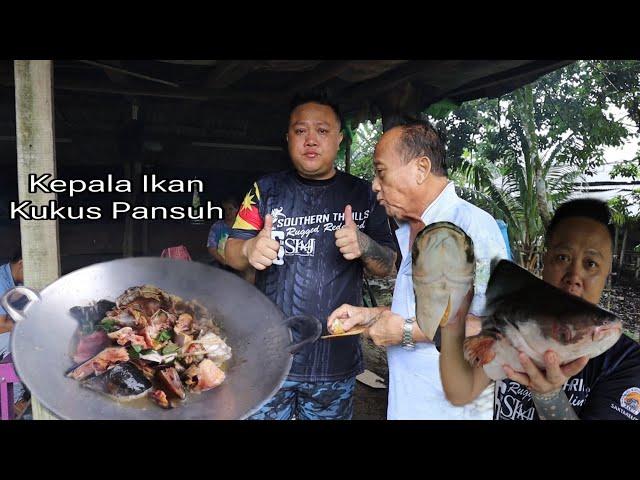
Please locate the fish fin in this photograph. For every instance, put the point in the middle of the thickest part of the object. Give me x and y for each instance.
(478, 350)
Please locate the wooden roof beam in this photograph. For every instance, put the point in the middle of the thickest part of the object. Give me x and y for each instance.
(386, 81)
(228, 72)
(513, 75)
(149, 91)
(325, 71)
(123, 71)
(116, 77)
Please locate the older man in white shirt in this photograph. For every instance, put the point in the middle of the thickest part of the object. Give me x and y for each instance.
(411, 183)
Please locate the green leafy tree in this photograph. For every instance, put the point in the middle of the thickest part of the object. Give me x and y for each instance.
(520, 155)
(541, 138)
(627, 169)
(363, 143)
(624, 220)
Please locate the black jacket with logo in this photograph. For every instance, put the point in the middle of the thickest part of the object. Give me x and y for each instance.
(313, 277)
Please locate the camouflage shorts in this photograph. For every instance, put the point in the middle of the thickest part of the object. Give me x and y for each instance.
(310, 401)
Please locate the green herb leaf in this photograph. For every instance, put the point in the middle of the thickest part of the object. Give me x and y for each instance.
(164, 336)
(170, 348)
(137, 348)
(133, 353)
(108, 325)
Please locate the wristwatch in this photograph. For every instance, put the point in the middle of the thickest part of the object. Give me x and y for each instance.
(407, 334)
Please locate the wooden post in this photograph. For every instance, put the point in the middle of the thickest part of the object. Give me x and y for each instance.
(35, 140)
(347, 154)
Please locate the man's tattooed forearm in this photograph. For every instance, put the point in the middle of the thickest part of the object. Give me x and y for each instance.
(554, 406)
(378, 260)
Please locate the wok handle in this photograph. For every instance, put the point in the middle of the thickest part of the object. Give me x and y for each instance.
(308, 330)
(17, 315)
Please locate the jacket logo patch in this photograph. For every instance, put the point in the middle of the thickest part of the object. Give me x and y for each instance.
(630, 400)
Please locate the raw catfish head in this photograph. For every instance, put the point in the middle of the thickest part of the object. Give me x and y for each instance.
(443, 273)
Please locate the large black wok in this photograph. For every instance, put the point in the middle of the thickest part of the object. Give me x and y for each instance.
(261, 339)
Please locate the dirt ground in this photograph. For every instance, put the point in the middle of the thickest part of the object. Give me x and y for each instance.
(624, 300)
(371, 403)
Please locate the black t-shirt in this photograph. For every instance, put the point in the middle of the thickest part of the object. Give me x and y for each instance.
(310, 275)
(607, 388)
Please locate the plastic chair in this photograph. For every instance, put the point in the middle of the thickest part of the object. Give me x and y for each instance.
(179, 252)
(7, 378)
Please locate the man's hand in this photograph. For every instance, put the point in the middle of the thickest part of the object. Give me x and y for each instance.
(347, 316)
(347, 237)
(549, 381)
(386, 329)
(378, 261)
(262, 250)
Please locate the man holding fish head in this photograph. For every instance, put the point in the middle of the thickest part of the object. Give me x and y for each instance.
(411, 184)
(554, 354)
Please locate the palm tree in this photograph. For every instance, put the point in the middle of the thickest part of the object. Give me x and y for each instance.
(508, 192)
